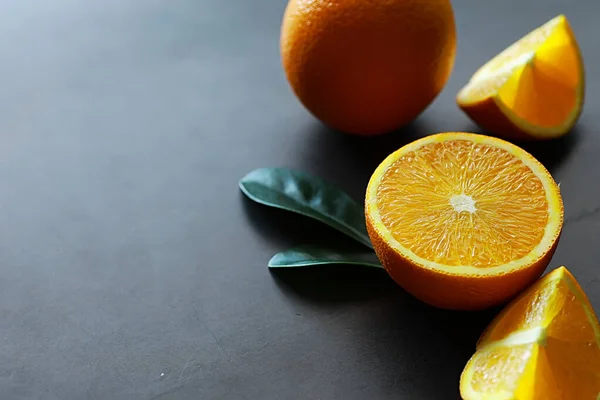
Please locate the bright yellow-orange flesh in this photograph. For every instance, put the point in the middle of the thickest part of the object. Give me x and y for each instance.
(544, 345)
(534, 88)
(463, 221)
(463, 203)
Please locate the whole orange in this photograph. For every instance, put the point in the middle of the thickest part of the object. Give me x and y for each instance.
(367, 66)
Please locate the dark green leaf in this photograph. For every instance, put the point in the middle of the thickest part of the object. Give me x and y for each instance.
(307, 195)
(308, 256)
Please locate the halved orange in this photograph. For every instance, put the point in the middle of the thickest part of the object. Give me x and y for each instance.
(545, 345)
(534, 89)
(463, 221)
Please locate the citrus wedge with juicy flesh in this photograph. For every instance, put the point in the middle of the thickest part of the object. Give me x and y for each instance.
(545, 345)
(532, 90)
(463, 221)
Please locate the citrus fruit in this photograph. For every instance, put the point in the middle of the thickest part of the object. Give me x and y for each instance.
(367, 67)
(534, 89)
(463, 221)
(545, 345)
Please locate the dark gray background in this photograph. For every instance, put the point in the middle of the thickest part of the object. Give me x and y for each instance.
(131, 267)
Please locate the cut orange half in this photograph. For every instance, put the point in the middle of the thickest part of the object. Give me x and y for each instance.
(532, 90)
(463, 221)
(545, 345)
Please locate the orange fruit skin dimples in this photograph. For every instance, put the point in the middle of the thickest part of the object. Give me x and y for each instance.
(367, 67)
(463, 221)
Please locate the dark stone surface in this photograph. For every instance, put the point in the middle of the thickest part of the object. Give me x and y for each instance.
(131, 267)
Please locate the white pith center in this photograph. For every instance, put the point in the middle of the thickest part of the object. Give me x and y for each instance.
(462, 202)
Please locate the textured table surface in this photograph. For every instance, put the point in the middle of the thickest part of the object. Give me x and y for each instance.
(131, 267)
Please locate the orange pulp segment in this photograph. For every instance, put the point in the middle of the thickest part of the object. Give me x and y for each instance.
(545, 345)
(533, 89)
(463, 221)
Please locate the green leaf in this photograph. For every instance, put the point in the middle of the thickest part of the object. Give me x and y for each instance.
(308, 256)
(307, 195)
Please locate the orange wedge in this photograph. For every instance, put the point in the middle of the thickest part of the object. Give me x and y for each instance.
(545, 345)
(532, 90)
(463, 221)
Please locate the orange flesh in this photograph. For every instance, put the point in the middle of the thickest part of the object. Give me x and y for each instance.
(460, 203)
(564, 363)
(541, 93)
(500, 369)
(537, 78)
